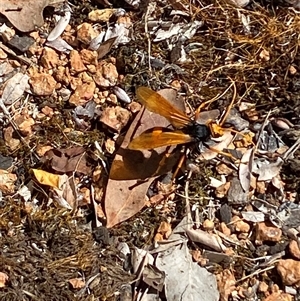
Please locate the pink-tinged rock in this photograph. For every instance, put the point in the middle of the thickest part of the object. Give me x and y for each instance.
(279, 296)
(89, 57)
(106, 75)
(7, 181)
(49, 58)
(294, 249)
(115, 118)
(9, 138)
(83, 94)
(266, 232)
(289, 271)
(241, 226)
(42, 84)
(25, 126)
(3, 54)
(86, 33)
(76, 62)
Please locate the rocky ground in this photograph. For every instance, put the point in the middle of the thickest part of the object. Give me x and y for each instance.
(83, 216)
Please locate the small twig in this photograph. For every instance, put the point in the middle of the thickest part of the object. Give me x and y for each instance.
(187, 202)
(231, 103)
(148, 36)
(289, 153)
(256, 273)
(97, 222)
(254, 149)
(212, 100)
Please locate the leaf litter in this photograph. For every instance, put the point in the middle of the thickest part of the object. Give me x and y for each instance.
(73, 189)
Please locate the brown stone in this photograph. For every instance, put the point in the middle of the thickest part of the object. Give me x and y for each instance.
(116, 118)
(76, 62)
(224, 169)
(222, 190)
(106, 75)
(41, 150)
(226, 283)
(110, 146)
(89, 57)
(134, 107)
(49, 58)
(60, 76)
(7, 181)
(260, 187)
(85, 77)
(42, 84)
(25, 126)
(294, 249)
(91, 68)
(266, 232)
(241, 226)
(289, 271)
(75, 82)
(208, 224)
(83, 94)
(3, 54)
(101, 15)
(279, 296)
(263, 287)
(112, 98)
(47, 111)
(86, 33)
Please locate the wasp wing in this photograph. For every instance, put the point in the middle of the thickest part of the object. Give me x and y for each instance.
(155, 103)
(157, 138)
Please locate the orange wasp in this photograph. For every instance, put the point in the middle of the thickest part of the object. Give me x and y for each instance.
(186, 129)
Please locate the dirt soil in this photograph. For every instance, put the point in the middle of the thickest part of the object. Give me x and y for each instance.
(243, 61)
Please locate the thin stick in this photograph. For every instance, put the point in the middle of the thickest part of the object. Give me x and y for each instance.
(211, 100)
(148, 36)
(187, 202)
(231, 103)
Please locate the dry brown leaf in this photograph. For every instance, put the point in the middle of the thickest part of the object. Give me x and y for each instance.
(66, 194)
(25, 15)
(11, 138)
(105, 47)
(125, 193)
(68, 160)
(132, 164)
(206, 239)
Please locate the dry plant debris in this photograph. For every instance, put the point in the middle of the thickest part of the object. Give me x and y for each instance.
(83, 217)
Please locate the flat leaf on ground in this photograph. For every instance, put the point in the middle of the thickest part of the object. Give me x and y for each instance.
(194, 282)
(14, 88)
(47, 178)
(133, 171)
(25, 15)
(67, 160)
